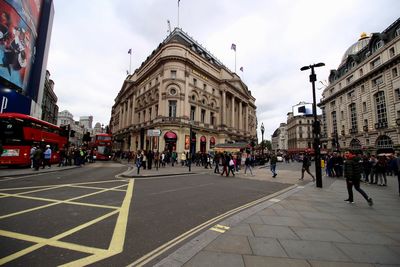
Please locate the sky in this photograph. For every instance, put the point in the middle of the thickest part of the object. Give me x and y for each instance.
(88, 57)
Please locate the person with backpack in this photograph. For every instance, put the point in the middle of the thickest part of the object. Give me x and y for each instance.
(306, 167)
(352, 173)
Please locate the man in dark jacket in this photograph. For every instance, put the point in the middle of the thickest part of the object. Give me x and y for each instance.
(352, 172)
(306, 167)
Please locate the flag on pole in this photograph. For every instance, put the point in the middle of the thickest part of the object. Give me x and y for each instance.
(241, 69)
(130, 51)
(233, 47)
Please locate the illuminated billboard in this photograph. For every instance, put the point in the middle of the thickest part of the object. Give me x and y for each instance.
(19, 23)
(302, 109)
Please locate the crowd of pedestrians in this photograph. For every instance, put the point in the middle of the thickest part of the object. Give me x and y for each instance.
(43, 156)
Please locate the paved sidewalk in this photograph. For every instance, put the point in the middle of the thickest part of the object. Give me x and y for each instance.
(306, 226)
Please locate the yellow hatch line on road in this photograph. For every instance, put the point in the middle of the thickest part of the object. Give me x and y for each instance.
(118, 239)
(68, 201)
(116, 245)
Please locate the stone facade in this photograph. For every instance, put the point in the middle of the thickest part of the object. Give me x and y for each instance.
(178, 85)
(279, 139)
(361, 104)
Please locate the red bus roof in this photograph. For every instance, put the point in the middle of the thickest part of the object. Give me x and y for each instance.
(103, 134)
(27, 117)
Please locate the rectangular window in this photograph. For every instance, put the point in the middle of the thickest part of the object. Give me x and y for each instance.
(204, 86)
(144, 115)
(397, 94)
(194, 82)
(173, 74)
(361, 72)
(342, 115)
(156, 110)
(377, 81)
(212, 119)
(203, 115)
(381, 107)
(172, 108)
(364, 106)
(392, 52)
(192, 113)
(395, 72)
(353, 117)
(334, 122)
(349, 79)
(362, 89)
(375, 63)
(150, 113)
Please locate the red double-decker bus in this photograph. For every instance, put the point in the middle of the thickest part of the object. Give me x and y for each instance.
(102, 144)
(19, 132)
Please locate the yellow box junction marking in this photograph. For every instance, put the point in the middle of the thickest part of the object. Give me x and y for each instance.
(117, 242)
(220, 228)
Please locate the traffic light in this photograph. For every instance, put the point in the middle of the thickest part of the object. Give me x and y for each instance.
(86, 137)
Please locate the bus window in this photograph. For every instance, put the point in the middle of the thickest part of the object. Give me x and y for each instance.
(11, 132)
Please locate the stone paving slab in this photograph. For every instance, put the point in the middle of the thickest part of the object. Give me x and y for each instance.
(215, 259)
(316, 250)
(258, 261)
(370, 253)
(262, 246)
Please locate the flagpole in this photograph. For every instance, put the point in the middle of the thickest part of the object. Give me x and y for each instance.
(178, 13)
(235, 60)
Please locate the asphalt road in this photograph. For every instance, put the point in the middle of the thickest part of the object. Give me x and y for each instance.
(87, 216)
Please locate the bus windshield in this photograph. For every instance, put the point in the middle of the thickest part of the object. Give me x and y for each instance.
(11, 132)
(103, 138)
(104, 150)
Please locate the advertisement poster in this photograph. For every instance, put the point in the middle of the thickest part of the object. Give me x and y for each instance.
(12, 101)
(187, 142)
(19, 20)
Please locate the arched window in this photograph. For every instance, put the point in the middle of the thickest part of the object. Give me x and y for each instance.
(384, 141)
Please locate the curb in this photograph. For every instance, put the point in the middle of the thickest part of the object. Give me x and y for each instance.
(34, 173)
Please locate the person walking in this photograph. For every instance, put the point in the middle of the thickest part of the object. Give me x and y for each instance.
(216, 161)
(352, 173)
(231, 167)
(139, 157)
(247, 164)
(37, 158)
(47, 157)
(32, 152)
(272, 167)
(224, 159)
(306, 167)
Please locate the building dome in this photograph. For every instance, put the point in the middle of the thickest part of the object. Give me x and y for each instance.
(356, 47)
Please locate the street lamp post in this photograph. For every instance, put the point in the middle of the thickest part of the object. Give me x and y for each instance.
(316, 124)
(262, 139)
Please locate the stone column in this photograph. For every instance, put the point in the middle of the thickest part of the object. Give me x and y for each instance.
(128, 113)
(133, 109)
(233, 112)
(247, 118)
(223, 110)
(240, 126)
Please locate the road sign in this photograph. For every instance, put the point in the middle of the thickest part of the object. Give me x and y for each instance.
(154, 132)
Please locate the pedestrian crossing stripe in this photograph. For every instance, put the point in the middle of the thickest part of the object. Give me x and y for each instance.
(220, 228)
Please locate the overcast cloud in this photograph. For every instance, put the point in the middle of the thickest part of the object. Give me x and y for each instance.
(88, 56)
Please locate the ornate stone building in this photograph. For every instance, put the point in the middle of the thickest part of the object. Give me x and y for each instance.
(178, 85)
(361, 104)
(279, 139)
(300, 132)
(49, 101)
